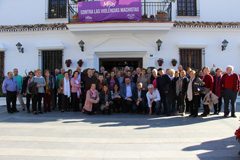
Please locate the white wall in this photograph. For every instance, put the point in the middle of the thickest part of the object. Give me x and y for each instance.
(21, 12)
(213, 10)
(144, 44)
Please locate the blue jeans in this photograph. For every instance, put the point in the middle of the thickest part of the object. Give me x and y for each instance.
(142, 106)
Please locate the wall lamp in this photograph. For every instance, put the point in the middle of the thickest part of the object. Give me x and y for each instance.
(224, 44)
(81, 45)
(20, 48)
(159, 43)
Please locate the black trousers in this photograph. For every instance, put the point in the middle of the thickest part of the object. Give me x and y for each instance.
(60, 101)
(11, 98)
(117, 103)
(218, 106)
(194, 105)
(75, 102)
(54, 98)
(65, 102)
(95, 107)
(166, 107)
(181, 102)
(229, 95)
(127, 106)
(37, 101)
(29, 97)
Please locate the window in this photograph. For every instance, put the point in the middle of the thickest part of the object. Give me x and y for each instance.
(191, 58)
(2, 55)
(186, 8)
(52, 60)
(57, 9)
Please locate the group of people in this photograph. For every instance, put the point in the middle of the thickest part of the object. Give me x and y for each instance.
(146, 91)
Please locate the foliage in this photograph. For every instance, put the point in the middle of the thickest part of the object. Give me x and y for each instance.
(80, 62)
(174, 61)
(68, 61)
(85, 71)
(213, 73)
(160, 60)
(76, 1)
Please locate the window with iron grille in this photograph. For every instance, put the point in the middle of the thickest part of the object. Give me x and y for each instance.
(52, 60)
(186, 8)
(2, 55)
(57, 9)
(191, 58)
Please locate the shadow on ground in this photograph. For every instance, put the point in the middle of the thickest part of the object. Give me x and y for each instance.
(139, 121)
(217, 148)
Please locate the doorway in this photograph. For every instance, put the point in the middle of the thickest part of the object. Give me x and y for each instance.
(120, 63)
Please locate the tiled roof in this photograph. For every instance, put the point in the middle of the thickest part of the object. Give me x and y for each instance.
(35, 27)
(198, 24)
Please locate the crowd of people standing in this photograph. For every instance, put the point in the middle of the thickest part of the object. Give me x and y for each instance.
(147, 91)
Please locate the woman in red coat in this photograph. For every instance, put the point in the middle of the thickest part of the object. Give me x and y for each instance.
(208, 80)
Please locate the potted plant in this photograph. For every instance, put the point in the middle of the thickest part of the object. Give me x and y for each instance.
(160, 61)
(68, 62)
(237, 134)
(144, 16)
(80, 62)
(75, 16)
(161, 14)
(174, 62)
(76, 1)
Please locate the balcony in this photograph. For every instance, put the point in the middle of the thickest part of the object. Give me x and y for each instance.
(151, 12)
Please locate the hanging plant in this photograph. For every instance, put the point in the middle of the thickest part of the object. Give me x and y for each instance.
(174, 62)
(160, 61)
(80, 62)
(68, 62)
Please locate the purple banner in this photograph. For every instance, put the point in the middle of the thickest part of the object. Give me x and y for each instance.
(105, 10)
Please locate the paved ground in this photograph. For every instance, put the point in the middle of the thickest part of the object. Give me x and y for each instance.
(75, 136)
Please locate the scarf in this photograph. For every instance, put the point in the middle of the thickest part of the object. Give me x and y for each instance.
(93, 93)
(66, 89)
(77, 81)
(190, 90)
(48, 85)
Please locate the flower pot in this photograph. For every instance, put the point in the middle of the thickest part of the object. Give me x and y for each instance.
(160, 63)
(80, 65)
(174, 64)
(68, 65)
(75, 17)
(162, 15)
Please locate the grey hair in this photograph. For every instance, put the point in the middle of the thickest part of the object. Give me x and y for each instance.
(229, 66)
(150, 86)
(57, 70)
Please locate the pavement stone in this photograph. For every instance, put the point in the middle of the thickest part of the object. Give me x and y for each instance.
(74, 136)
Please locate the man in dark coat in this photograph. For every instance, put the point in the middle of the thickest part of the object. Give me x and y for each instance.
(163, 82)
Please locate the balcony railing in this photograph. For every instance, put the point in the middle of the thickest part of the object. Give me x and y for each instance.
(151, 11)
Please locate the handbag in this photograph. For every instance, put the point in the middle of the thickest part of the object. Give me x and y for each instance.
(201, 89)
(60, 91)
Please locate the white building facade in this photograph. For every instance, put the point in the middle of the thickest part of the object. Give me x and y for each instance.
(192, 34)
